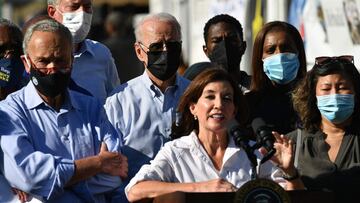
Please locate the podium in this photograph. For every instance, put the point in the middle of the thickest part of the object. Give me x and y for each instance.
(296, 196)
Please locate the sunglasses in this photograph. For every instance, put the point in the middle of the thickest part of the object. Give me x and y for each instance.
(322, 60)
(159, 46)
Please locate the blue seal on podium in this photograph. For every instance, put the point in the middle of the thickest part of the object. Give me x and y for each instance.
(261, 191)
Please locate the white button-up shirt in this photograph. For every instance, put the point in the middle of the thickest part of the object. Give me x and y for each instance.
(184, 160)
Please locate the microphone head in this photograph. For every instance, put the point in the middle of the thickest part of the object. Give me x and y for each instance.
(263, 133)
(232, 126)
(264, 137)
(257, 124)
(239, 135)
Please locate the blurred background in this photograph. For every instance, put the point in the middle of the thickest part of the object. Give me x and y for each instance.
(328, 27)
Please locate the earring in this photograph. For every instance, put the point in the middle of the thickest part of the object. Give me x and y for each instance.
(195, 117)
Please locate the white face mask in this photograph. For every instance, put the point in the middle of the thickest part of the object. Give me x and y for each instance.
(78, 23)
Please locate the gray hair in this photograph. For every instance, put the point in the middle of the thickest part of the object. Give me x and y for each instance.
(52, 2)
(164, 17)
(15, 31)
(46, 25)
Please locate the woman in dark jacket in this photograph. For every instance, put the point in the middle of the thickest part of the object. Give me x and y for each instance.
(278, 63)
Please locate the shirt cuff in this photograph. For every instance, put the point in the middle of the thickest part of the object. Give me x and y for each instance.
(64, 171)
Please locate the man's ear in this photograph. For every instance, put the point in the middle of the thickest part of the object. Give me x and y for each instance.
(141, 55)
(26, 63)
(205, 49)
(51, 10)
(137, 49)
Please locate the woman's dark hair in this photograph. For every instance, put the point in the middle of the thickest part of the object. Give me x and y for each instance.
(304, 95)
(186, 123)
(259, 80)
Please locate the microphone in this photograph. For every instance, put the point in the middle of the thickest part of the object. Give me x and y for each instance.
(264, 137)
(239, 135)
(241, 139)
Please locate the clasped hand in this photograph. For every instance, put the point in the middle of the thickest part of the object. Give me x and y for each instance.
(113, 163)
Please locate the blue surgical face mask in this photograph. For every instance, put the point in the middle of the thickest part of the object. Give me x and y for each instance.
(281, 68)
(336, 107)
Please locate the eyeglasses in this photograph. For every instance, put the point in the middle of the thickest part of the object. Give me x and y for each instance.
(42, 67)
(47, 71)
(160, 46)
(322, 60)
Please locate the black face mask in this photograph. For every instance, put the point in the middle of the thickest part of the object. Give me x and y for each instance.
(164, 64)
(50, 85)
(227, 55)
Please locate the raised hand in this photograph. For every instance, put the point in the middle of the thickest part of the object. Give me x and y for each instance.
(283, 157)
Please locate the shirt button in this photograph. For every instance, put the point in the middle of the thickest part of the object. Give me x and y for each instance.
(64, 138)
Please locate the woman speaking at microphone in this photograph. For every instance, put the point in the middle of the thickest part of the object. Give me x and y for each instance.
(205, 158)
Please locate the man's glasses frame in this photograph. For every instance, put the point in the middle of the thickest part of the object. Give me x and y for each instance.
(45, 70)
(160, 46)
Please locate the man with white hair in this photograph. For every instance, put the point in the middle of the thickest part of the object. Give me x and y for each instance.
(94, 67)
(143, 109)
(57, 144)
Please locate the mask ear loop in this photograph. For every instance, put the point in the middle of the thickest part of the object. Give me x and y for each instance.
(27, 61)
(58, 10)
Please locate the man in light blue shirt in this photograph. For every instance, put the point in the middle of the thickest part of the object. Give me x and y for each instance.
(143, 109)
(93, 66)
(57, 144)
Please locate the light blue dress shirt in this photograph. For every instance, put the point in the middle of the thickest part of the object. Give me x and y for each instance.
(40, 145)
(94, 69)
(142, 115)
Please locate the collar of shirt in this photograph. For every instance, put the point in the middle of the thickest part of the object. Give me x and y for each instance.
(155, 91)
(84, 47)
(229, 152)
(32, 99)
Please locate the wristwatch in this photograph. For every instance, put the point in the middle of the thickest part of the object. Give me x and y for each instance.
(289, 177)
